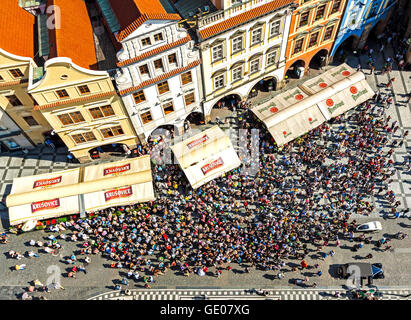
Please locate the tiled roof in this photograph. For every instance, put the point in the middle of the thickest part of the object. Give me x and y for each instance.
(155, 51)
(16, 29)
(74, 39)
(160, 78)
(12, 83)
(131, 14)
(243, 18)
(77, 100)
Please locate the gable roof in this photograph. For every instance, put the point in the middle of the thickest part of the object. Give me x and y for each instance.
(155, 51)
(131, 14)
(243, 18)
(16, 29)
(74, 39)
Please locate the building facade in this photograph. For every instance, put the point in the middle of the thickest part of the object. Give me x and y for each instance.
(83, 108)
(159, 70)
(242, 44)
(359, 18)
(17, 67)
(314, 26)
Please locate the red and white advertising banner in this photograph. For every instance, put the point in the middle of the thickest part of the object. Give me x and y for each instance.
(42, 210)
(45, 205)
(125, 195)
(116, 170)
(44, 183)
(212, 165)
(118, 193)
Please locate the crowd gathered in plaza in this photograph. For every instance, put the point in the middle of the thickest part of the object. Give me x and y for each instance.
(297, 204)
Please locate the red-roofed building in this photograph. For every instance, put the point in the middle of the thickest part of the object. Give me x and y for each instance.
(159, 69)
(22, 126)
(73, 35)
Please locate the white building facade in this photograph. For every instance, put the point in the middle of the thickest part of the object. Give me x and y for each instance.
(242, 43)
(159, 76)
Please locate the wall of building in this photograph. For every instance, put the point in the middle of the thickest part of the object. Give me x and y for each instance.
(329, 20)
(17, 86)
(62, 74)
(174, 42)
(230, 61)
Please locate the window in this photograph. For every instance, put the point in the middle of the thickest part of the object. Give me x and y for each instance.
(144, 70)
(304, 19)
(112, 132)
(101, 112)
(298, 46)
(158, 37)
(172, 58)
(336, 6)
(328, 33)
(14, 101)
(254, 65)
(271, 57)
(70, 118)
(275, 28)
(186, 78)
(374, 9)
(256, 36)
(139, 96)
(146, 41)
(320, 12)
(83, 137)
(16, 73)
(168, 108)
(84, 89)
(30, 121)
(237, 73)
(158, 64)
(163, 87)
(219, 82)
(1, 78)
(189, 98)
(217, 52)
(237, 44)
(313, 39)
(62, 94)
(146, 117)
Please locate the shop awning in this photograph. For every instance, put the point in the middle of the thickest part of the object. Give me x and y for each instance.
(121, 183)
(72, 191)
(206, 156)
(24, 204)
(299, 110)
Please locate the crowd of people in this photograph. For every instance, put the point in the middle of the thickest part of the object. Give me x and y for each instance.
(299, 202)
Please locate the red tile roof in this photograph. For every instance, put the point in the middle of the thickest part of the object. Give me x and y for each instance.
(76, 100)
(243, 18)
(12, 83)
(75, 38)
(16, 29)
(131, 14)
(155, 51)
(160, 78)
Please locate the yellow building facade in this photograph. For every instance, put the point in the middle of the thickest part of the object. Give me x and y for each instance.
(15, 72)
(82, 107)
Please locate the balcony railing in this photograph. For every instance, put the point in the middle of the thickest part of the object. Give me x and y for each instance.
(218, 16)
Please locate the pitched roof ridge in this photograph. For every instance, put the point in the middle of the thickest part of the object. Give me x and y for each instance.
(154, 51)
(159, 78)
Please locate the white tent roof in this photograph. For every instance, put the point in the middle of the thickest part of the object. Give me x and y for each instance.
(206, 156)
(326, 96)
(61, 193)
